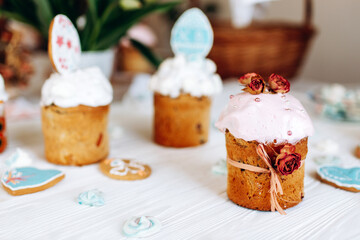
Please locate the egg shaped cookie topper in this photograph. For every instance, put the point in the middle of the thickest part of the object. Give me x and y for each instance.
(192, 35)
(64, 45)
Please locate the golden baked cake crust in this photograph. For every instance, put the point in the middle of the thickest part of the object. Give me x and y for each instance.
(250, 189)
(75, 135)
(181, 122)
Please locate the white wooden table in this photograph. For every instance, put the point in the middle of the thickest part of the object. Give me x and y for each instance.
(182, 192)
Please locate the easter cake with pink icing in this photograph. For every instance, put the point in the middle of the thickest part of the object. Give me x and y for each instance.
(266, 131)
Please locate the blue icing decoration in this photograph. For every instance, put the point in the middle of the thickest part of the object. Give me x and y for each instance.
(91, 198)
(12, 160)
(28, 177)
(142, 226)
(336, 111)
(192, 35)
(220, 167)
(346, 177)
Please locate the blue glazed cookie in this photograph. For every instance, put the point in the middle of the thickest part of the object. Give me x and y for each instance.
(192, 35)
(25, 180)
(344, 178)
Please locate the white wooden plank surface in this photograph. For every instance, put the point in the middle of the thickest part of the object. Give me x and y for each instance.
(182, 192)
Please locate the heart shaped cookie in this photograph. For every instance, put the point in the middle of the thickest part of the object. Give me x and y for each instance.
(25, 180)
(344, 178)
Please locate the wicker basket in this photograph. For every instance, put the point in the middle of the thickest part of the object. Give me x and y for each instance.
(263, 48)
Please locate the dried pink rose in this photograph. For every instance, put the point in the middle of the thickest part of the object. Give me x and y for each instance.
(278, 84)
(288, 148)
(246, 79)
(256, 86)
(288, 161)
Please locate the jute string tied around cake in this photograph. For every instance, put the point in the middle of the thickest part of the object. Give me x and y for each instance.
(275, 185)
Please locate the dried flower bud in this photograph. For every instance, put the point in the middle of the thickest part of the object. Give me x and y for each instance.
(256, 86)
(246, 79)
(288, 163)
(278, 84)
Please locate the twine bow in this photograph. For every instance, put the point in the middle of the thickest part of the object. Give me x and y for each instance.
(275, 186)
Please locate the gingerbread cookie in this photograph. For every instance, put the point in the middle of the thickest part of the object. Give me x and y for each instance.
(25, 180)
(123, 169)
(344, 178)
(64, 45)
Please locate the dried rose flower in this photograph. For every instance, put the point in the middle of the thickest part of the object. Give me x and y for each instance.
(278, 84)
(246, 79)
(287, 161)
(256, 86)
(288, 148)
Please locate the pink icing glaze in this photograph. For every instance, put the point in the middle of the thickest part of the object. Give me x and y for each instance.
(266, 117)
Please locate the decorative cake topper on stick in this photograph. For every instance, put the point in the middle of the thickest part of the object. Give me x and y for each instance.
(192, 35)
(64, 45)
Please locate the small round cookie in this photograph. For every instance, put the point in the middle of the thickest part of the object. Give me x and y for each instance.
(344, 178)
(124, 169)
(25, 180)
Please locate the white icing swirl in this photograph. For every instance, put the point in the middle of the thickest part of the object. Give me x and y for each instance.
(142, 226)
(87, 87)
(3, 95)
(121, 168)
(18, 159)
(91, 198)
(177, 75)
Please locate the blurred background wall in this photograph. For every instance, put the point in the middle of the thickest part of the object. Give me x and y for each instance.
(335, 52)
